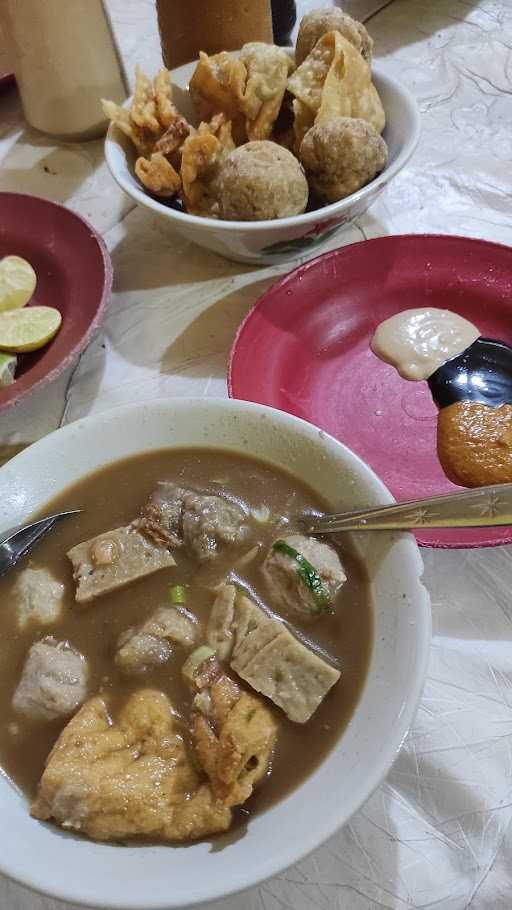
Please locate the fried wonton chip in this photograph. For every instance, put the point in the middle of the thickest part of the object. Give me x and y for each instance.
(142, 140)
(162, 90)
(143, 110)
(304, 119)
(216, 86)
(202, 156)
(158, 175)
(170, 144)
(157, 130)
(268, 68)
(335, 81)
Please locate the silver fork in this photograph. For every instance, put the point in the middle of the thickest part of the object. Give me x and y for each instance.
(20, 541)
(483, 507)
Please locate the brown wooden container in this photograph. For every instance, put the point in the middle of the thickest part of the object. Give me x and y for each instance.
(189, 26)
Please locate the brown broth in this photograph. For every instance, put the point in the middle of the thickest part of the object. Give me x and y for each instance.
(112, 497)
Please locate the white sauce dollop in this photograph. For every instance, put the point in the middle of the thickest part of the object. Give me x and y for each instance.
(418, 342)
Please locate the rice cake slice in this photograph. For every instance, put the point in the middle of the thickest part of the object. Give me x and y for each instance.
(219, 632)
(134, 556)
(291, 675)
(253, 630)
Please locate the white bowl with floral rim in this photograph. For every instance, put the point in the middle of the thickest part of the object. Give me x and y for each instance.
(270, 242)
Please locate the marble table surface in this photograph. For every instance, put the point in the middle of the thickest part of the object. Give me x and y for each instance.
(437, 833)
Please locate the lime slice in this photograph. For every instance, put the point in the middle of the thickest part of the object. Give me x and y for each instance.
(17, 282)
(28, 330)
(7, 368)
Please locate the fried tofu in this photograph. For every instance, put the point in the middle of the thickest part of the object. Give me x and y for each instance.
(130, 776)
(115, 559)
(233, 732)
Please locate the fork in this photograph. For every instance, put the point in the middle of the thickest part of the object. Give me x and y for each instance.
(483, 507)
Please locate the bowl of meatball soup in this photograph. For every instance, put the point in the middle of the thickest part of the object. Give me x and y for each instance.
(195, 692)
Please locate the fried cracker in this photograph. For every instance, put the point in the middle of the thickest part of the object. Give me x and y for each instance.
(158, 175)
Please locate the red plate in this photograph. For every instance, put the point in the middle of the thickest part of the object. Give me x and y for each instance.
(305, 348)
(74, 274)
(6, 79)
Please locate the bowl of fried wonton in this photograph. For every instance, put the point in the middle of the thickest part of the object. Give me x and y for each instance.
(258, 238)
(131, 873)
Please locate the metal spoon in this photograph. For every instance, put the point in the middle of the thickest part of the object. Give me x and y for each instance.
(19, 542)
(483, 507)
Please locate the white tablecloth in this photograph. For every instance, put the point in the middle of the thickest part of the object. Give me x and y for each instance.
(437, 833)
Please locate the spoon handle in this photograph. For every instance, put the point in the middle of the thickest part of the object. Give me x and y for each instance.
(484, 507)
(20, 542)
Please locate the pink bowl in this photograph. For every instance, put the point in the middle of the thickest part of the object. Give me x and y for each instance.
(74, 274)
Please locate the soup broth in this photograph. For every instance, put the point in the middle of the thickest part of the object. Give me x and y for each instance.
(113, 497)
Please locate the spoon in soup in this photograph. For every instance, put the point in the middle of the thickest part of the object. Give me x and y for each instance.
(20, 541)
(483, 507)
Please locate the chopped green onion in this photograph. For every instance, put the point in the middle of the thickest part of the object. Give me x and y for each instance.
(178, 594)
(261, 515)
(307, 573)
(203, 652)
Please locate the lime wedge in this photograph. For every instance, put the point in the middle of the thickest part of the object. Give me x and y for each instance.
(29, 329)
(7, 368)
(17, 282)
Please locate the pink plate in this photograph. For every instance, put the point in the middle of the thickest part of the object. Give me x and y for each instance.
(305, 348)
(74, 274)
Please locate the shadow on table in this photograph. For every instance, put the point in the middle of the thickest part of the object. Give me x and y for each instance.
(371, 227)
(56, 175)
(202, 349)
(82, 392)
(151, 254)
(404, 22)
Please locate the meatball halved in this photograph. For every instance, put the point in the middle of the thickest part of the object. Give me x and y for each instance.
(261, 180)
(341, 156)
(303, 576)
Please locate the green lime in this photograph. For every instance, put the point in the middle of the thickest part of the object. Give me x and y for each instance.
(17, 282)
(28, 329)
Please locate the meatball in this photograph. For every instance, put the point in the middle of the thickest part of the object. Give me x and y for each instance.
(150, 644)
(329, 19)
(286, 585)
(210, 522)
(175, 516)
(39, 598)
(341, 156)
(261, 180)
(53, 683)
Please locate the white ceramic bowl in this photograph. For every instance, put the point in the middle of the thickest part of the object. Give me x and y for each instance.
(79, 871)
(270, 242)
